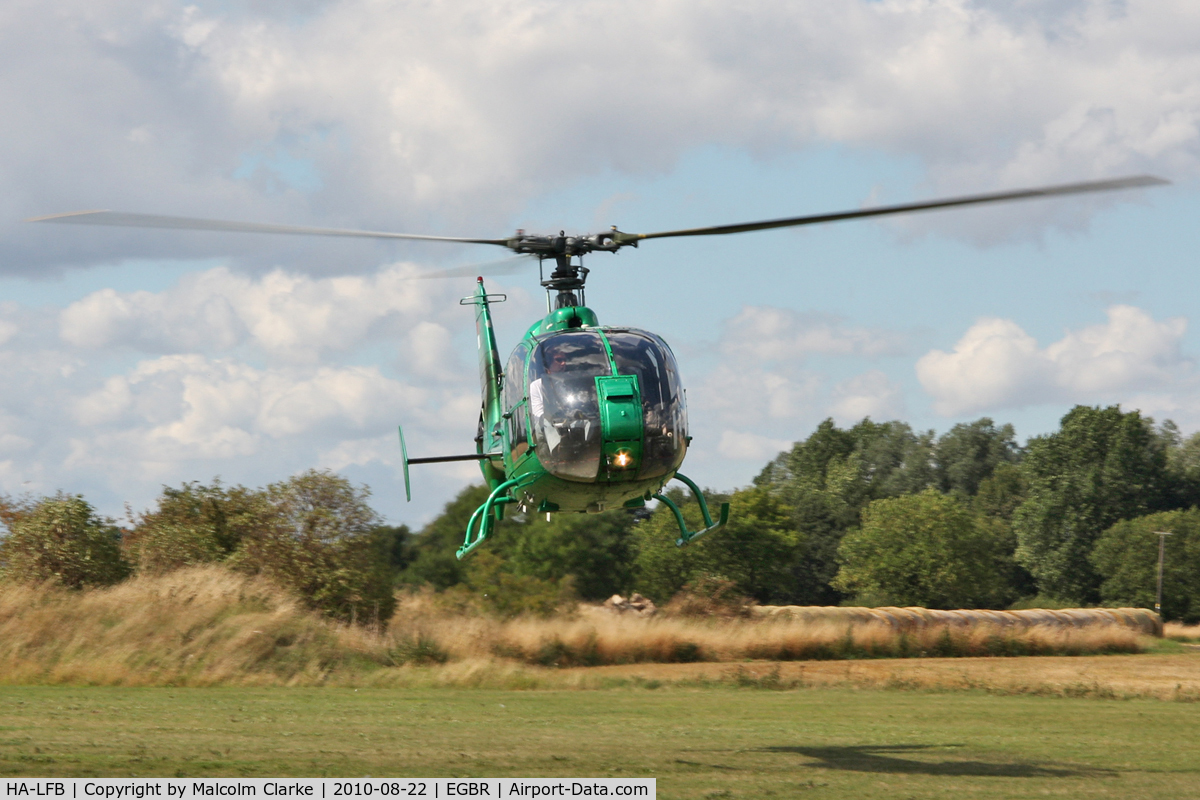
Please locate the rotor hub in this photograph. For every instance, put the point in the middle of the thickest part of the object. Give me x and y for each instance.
(563, 245)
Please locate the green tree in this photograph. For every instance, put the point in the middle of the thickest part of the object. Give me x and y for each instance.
(821, 479)
(927, 550)
(594, 550)
(433, 561)
(317, 538)
(395, 543)
(819, 531)
(1126, 558)
(492, 586)
(893, 459)
(13, 508)
(967, 454)
(854, 466)
(828, 478)
(998, 497)
(755, 550)
(1183, 464)
(195, 524)
(62, 539)
(1101, 466)
(1000, 494)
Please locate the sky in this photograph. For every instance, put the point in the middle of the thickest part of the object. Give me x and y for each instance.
(135, 359)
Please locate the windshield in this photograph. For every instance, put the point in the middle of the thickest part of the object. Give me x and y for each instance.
(563, 409)
(663, 409)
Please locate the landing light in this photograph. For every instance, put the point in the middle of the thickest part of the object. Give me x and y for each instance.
(622, 459)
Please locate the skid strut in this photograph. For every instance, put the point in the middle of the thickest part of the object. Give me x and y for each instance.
(685, 535)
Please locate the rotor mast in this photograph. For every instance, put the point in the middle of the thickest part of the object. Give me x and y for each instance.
(567, 252)
(567, 280)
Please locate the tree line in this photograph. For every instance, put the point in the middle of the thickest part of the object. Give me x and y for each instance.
(880, 514)
(314, 533)
(872, 514)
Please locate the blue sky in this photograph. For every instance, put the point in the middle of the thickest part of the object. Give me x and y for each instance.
(141, 358)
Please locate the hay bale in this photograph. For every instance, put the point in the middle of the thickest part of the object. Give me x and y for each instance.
(1142, 620)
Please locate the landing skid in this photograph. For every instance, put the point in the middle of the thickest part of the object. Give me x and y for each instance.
(480, 526)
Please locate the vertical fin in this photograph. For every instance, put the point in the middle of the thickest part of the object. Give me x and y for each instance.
(489, 356)
(404, 460)
(490, 374)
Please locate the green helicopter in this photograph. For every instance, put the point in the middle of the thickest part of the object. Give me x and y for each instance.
(582, 417)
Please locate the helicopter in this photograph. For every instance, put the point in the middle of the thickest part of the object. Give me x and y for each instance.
(582, 417)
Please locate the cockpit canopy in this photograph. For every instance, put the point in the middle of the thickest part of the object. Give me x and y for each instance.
(570, 429)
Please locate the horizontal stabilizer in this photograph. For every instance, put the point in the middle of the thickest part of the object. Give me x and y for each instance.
(440, 459)
(405, 461)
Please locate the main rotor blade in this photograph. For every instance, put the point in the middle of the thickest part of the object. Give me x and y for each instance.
(1133, 182)
(188, 223)
(505, 266)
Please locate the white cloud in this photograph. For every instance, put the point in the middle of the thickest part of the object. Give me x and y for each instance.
(871, 394)
(196, 407)
(744, 393)
(358, 452)
(998, 365)
(14, 437)
(765, 333)
(762, 393)
(183, 417)
(7, 331)
(252, 378)
(399, 116)
(429, 352)
(286, 315)
(761, 374)
(750, 446)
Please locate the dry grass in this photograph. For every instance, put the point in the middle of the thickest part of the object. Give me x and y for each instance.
(599, 638)
(198, 626)
(1179, 632)
(1138, 619)
(206, 626)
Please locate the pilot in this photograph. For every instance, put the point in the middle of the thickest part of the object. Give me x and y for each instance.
(537, 392)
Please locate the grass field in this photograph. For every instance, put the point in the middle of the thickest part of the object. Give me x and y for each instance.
(208, 626)
(207, 673)
(715, 742)
(1170, 674)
